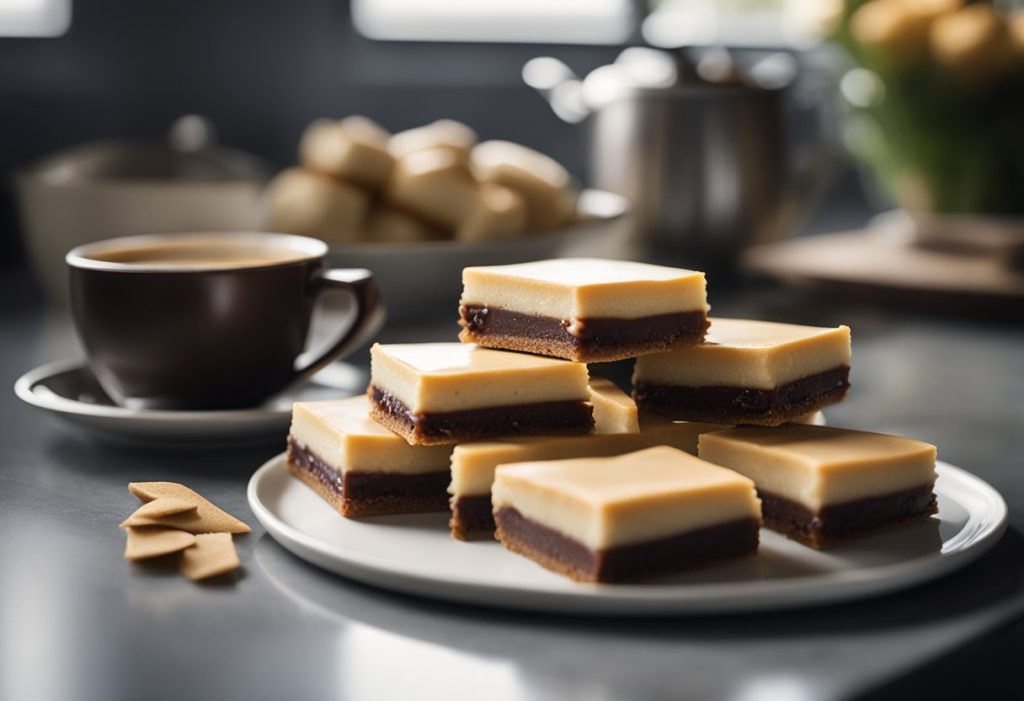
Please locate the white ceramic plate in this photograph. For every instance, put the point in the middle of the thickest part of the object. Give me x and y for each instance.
(68, 390)
(415, 554)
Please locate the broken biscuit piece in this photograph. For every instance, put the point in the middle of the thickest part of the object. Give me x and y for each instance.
(206, 518)
(163, 506)
(154, 541)
(211, 555)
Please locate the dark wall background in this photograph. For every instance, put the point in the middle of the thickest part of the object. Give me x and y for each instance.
(261, 71)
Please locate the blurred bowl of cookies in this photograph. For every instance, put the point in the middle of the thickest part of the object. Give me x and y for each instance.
(417, 206)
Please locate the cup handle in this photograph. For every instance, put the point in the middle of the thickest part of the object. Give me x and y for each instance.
(362, 288)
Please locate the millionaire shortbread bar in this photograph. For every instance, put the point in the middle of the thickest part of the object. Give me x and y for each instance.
(821, 484)
(434, 393)
(634, 516)
(747, 372)
(360, 467)
(473, 464)
(583, 309)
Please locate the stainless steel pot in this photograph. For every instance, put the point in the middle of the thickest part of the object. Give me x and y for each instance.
(708, 166)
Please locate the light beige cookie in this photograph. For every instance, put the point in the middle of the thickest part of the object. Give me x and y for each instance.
(164, 506)
(543, 183)
(434, 186)
(444, 133)
(354, 149)
(300, 202)
(211, 555)
(207, 518)
(387, 225)
(365, 129)
(154, 541)
(500, 213)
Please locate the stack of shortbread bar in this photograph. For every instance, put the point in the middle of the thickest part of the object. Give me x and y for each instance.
(509, 430)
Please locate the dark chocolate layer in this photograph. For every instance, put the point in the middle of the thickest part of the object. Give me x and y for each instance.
(301, 457)
(376, 485)
(538, 419)
(591, 339)
(735, 405)
(356, 493)
(471, 517)
(847, 520)
(561, 553)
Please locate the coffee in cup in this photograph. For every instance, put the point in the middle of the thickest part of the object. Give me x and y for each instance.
(207, 321)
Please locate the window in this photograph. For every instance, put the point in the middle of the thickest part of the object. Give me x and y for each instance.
(526, 21)
(34, 18)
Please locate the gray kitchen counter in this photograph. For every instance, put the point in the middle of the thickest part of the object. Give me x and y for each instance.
(77, 622)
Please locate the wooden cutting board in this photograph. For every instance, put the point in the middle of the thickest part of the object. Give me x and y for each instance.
(885, 264)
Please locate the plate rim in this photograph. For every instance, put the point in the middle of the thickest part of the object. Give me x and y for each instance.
(633, 600)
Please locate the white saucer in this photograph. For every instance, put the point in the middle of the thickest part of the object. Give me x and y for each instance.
(415, 554)
(68, 390)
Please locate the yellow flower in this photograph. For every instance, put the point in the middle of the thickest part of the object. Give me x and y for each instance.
(1015, 23)
(930, 9)
(974, 42)
(899, 28)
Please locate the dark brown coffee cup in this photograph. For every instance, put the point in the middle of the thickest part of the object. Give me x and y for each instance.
(208, 321)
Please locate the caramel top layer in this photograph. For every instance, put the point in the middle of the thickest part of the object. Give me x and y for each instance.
(826, 447)
(436, 377)
(460, 358)
(582, 288)
(749, 333)
(348, 417)
(473, 464)
(605, 502)
(747, 353)
(341, 432)
(819, 465)
(654, 473)
(587, 271)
